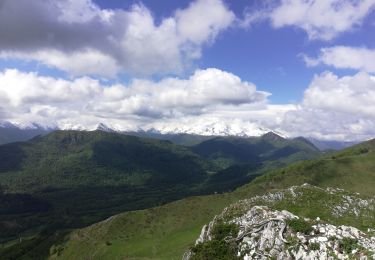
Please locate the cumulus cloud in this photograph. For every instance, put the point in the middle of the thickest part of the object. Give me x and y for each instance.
(335, 108)
(345, 57)
(29, 97)
(320, 19)
(350, 94)
(81, 38)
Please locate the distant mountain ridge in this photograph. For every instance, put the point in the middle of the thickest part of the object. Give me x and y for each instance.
(186, 135)
(268, 147)
(10, 133)
(331, 144)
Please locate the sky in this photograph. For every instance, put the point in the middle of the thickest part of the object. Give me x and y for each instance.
(296, 67)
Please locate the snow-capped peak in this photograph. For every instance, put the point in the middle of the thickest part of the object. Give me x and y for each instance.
(105, 128)
(213, 128)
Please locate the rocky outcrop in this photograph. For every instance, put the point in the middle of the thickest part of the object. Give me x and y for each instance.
(266, 233)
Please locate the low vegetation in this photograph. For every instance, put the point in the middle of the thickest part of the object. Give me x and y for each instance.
(217, 248)
(300, 225)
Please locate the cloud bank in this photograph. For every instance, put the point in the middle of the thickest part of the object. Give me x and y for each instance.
(84, 102)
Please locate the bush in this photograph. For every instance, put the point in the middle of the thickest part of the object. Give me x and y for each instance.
(314, 246)
(214, 249)
(299, 225)
(347, 245)
(222, 230)
(217, 248)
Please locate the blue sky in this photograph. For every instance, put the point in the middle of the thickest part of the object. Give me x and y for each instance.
(292, 66)
(260, 54)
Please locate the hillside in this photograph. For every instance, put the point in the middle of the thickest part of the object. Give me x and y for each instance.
(180, 139)
(66, 159)
(70, 179)
(226, 151)
(166, 232)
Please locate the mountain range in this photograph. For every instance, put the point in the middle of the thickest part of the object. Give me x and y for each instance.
(10, 132)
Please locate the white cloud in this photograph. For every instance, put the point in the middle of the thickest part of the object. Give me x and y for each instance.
(89, 61)
(335, 108)
(350, 94)
(345, 57)
(29, 97)
(203, 21)
(81, 11)
(210, 101)
(320, 19)
(80, 38)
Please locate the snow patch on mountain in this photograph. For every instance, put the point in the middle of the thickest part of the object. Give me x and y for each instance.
(214, 128)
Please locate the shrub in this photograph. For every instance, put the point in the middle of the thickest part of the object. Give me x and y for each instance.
(299, 225)
(217, 248)
(213, 249)
(314, 246)
(222, 230)
(347, 245)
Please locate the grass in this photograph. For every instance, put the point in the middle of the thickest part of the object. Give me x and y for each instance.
(158, 233)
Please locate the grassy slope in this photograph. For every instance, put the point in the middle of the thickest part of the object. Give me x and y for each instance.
(166, 232)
